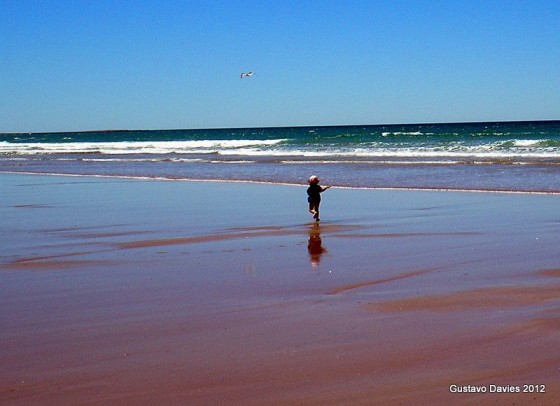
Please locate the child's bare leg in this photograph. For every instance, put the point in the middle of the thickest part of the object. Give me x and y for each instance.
(312, 208)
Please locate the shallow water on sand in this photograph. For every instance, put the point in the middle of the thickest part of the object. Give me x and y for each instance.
(122, 291)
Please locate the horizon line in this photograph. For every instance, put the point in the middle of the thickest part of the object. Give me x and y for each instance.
(286, 126)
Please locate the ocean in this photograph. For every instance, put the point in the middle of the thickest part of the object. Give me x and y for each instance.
(488, 156)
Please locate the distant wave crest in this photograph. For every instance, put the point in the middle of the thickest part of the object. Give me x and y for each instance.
(134, 147)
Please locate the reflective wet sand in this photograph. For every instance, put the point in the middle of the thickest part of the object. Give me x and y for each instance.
(145, 292)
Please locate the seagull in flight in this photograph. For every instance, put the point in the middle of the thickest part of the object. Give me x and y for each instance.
(246, 74)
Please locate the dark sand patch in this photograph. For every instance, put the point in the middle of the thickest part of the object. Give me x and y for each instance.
(54, 264)
(32, 206)
(104, 235)
(404, 235)
(92, 232)
(44, 257)
(82, 228)
(322, 227)
(494, 297)
(245, 232)
(380, 281)
(200, 239)
(554, 273)
(257, 228)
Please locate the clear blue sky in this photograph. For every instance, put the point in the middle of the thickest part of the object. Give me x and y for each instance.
(83, 65)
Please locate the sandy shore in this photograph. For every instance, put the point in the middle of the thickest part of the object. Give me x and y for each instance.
(151, 292)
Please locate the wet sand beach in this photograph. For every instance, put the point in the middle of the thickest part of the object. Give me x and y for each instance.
(119, 291)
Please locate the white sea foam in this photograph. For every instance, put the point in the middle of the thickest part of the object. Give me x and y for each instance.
(504, 149)
(133, 147)
(386, 134)
(455, 152)
(528, 143)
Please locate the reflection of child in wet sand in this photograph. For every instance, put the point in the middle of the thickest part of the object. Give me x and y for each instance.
(315, 245)
(314, 196)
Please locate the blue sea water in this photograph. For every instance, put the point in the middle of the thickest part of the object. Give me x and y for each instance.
(497, 156)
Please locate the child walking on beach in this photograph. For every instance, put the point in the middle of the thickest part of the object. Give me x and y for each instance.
(314, 196)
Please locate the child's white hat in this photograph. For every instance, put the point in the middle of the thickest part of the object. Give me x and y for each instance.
(313, 179)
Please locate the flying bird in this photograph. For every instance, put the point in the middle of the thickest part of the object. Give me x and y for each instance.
(246, 74)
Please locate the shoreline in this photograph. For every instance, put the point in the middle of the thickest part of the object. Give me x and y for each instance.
(257, 182)
(132, 292)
